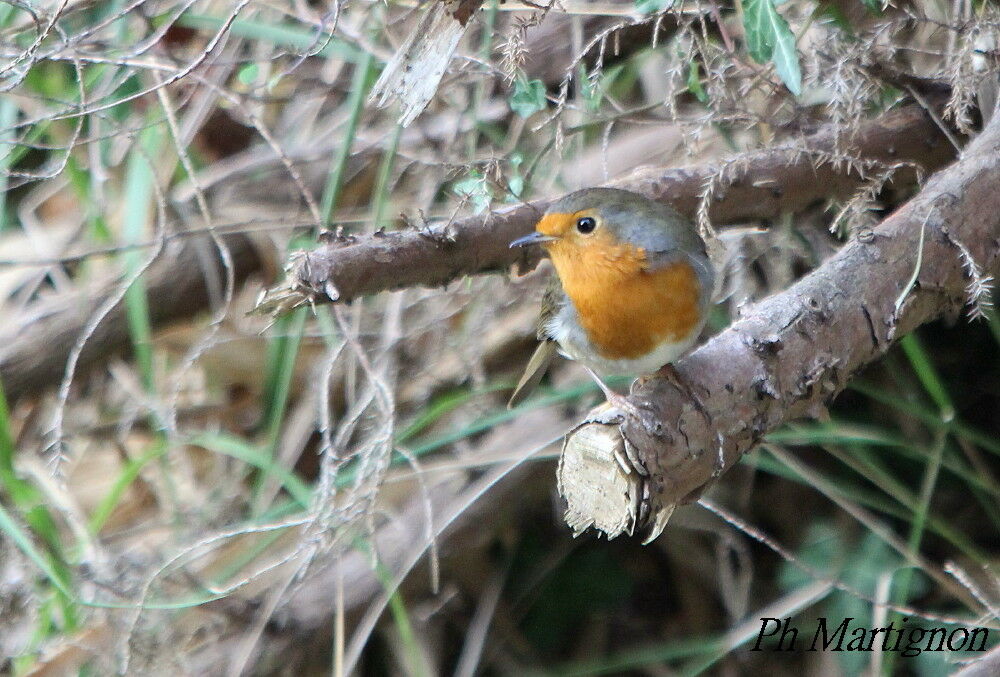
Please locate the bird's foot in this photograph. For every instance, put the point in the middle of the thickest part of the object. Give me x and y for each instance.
(620, 406)
(670, 372)
(667, 371)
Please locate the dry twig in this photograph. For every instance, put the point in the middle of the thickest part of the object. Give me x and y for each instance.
(765, 184)
(36, 345)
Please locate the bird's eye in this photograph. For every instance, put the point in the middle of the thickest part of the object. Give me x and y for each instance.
(586, 224)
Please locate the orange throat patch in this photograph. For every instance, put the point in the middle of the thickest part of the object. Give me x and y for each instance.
(626, 310)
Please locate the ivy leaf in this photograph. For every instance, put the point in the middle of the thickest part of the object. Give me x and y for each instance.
(652, 6)
(528, 97)
(474, 189)
(873, 6)
(516, 181)
(769, 38)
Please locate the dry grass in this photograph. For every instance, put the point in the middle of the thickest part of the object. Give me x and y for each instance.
(233, 493)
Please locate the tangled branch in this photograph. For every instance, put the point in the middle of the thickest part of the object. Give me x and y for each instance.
(792, 352)
(760, 185)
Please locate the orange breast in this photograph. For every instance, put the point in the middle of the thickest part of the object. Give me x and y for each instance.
(626, 310)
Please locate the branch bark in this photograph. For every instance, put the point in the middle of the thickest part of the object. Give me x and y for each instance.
(758, 186)
(35, 346)
(795, 350)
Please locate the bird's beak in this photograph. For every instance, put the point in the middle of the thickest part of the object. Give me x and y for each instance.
(534, 238)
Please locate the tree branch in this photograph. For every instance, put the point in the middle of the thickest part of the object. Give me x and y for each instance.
(759, 185)
(794, 351)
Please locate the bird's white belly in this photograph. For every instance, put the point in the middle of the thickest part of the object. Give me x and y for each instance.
(564, 328)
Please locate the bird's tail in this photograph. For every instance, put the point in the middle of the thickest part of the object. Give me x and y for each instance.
(533, 373)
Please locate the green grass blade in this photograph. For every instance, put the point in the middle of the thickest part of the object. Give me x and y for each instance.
(124, 480)
(238, 449)
(929, 378)
(355, 104)
(381, 193)
(24, 543)
(283, 352)
(138, 198)
(8, 116)
(278, 34)
(933, 419)
(869, 499)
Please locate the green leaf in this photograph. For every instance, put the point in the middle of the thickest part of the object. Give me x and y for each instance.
(515, 184)
(591, 90)
(873, 6)
(769, 38)
(694, 82)
(528, 97)
(652, 6)
(474, 189)
(835, 15)
(247, 74)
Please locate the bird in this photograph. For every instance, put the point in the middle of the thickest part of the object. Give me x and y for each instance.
(633, 287)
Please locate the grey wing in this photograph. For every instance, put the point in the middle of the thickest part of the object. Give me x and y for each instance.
(539, 363)
(552, 302)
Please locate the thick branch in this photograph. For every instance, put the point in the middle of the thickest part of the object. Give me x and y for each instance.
(34, 347)
(799, 348)
(768, 183)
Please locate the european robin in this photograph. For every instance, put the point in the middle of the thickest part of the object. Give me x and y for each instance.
(632, 289)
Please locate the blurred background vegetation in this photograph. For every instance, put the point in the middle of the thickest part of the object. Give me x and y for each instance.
(187, 487)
